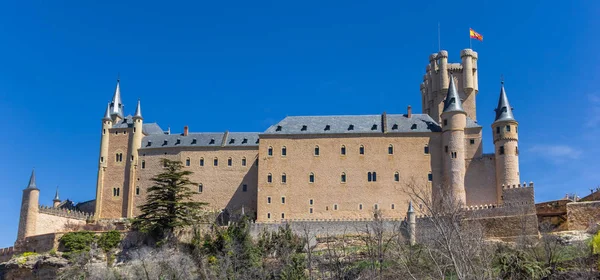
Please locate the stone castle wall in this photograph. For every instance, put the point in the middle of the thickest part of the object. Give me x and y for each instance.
(480, 180)
(582, 215)
(49, 223)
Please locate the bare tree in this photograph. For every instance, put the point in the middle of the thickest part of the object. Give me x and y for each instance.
(377, 239)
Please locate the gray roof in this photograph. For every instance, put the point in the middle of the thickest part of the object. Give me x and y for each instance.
(471, 123)
(31, 185)
(353, 124)
(207, 139)
(452, 102)
(56, 198)
(138, 111)
(503, 111)
(107, 113)
(410, 207)
(116, 106)
(147, 128)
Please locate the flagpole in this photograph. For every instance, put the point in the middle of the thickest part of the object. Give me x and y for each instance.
(439, 40)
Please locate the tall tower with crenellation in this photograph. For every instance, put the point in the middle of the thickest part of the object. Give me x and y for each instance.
(506, 142)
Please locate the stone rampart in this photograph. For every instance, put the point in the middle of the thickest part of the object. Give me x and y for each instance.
(6, 253)
(582, 215)
(67, 213)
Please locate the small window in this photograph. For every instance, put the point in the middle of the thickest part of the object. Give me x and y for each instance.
(143, 164)
(311, 178)
(282, 215)
(445, 122)
(369, 176)
(187, 162)
(430, 177)
(395, 126)
(517, 150)
(278, 128)
(310, 210)
(327, 127)
(361, 150)
(472, 141)
(101, 159)
(131, 157)
(501, 150)
(343, 177)
(194, 141)
(283, 178)
(397, 176)
(497, 130)
(351, 127)
(200, 188)
(270, 151)
(374, 127)
(229, 162)
(316, 150)
(360, 206)
(118, 191)
(413, 127)
(335, 207)
(446, 149)
(116, 133)
(390, 149)
(137, 190)
(508, 128)
(212, 142)
(269, 178)
(303, 128)
(343, 150)
(374, 176)
(268, 200)
(310, 202)
(245, 141)
(393, 206)
(201, 161)
(283, 200)
(283, 151)
(516, 129)
(232, 141)
(268, 215)
(103, 131)
(244, 161)
(376, 206)
(216, 162)
(244, 188)
(426, 150)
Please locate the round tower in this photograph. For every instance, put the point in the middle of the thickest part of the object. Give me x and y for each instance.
(454, 121)
(506, 143)
(443, 66)
(412, 224)
(56, 200)
(107, 123)
(136, 144)
(29, 209)
(469, 81)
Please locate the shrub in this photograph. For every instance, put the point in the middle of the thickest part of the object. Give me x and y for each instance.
(77, 242)
(109, 240)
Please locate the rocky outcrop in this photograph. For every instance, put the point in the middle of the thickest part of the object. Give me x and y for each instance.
(32, 267)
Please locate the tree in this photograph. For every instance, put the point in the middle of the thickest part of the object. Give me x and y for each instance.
(169, 203)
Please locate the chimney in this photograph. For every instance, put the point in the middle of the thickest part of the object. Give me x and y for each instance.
(185, 130)
(384, 122)
(409, 110)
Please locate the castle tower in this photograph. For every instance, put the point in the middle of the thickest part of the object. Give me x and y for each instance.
(436, 80)
(56, 200)
(454, 121)
(135, 145)
(116, 106)
(412, 224)
(29, 209)
(107, 123)
(506, 143)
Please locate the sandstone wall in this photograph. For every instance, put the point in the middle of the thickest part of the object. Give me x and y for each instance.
(116, 175)
(480, 181)
(48, 223)
(580, 215)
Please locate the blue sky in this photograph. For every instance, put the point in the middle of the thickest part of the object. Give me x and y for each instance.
(242, 66)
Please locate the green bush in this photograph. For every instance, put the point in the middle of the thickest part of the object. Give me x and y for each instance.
(109, 240)
(595, 243)
(77, 242)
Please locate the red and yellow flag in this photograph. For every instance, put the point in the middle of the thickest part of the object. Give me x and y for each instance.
(475, 35)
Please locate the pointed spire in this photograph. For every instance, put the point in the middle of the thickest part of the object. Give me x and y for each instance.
(410, 207)
(107, 113)
(452, 102)
(56, 198)
(116, 106)
(138, 110)
(503, 111)
(32, 185)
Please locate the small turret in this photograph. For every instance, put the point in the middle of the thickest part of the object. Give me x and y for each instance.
(107, 113)
(452, 103)
(29, 209)
(116, 106)
(135, 144)
(506, 142)
(138, 111)
(412, 224)
(56, 200)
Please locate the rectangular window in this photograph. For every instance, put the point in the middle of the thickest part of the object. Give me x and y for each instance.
(343, 150)
(187, 162)
(137, 191)
(101, 159)
(283, 179)
(244, 188)
(374, 176)
(472, 141)
(446, 149)
(430, 177)
(335, 207)
(216, 162)
(268, 215)
(283, 200)
(310, 210)
(453, 154)
(445, 122)
(229, 162)
(393, 206)
(268, 200)
(244, 162)
(360, 207)
(508, 128)
(310, 202)
(497, 130)
(501, 150)
(361, 150)
(426, 150)
(282, 215)
(283, 151)
(316, 150)
(201, 162)
(200, 188)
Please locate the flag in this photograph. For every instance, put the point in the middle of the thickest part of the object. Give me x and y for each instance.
(475, 35)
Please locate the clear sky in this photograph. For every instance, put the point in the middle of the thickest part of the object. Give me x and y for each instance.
(244, 65)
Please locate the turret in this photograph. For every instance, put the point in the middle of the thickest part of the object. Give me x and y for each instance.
(412, 224)
(454, 120)
(56, 200)
(469, 81)
(107, 123)
(135, 144)
(116, 106)
(29, 209)
(506, 143)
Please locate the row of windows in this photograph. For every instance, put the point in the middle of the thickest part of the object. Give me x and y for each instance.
(335, 208)
(508, 127)
(371, 177)
(201, 188)
(501, 150)
(188, 162)
(116, 191)
(317, 150)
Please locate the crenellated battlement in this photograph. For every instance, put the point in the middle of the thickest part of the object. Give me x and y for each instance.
(524, 185)
(7, 251)
(67, 213)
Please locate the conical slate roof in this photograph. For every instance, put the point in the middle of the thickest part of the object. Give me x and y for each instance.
(452, 102)
(116, 106)
(138, 111)
(504, 111)
(107, 113)
(32, 185)
(56, 198)
(410, 207)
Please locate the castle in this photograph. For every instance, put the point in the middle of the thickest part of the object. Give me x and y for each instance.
(314, 167)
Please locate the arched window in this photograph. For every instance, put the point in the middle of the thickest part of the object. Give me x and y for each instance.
(201, 161)
(360, 206)
(501, 150)
(187, 162)
(216, 162)
(393, 206)
(343, 150)
(375, 206)
(137, 190)
(343, 177)
(283, 178)
(244, 161)
(426, 150)
(268, 215)
(335, 207)
(282, 215)
(390, 149)
(200, 188)
(229, 162)
(268, 200)
(270, 151)
(397, 176)
(317, 150)
(114, 191)
(361, 150)
(283, 151)
(311, 177)
(369, 177)
(143, 164)
(430, 177)
(269, 178)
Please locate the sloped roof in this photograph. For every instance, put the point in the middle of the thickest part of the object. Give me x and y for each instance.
(147, 128)
(206, 139)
